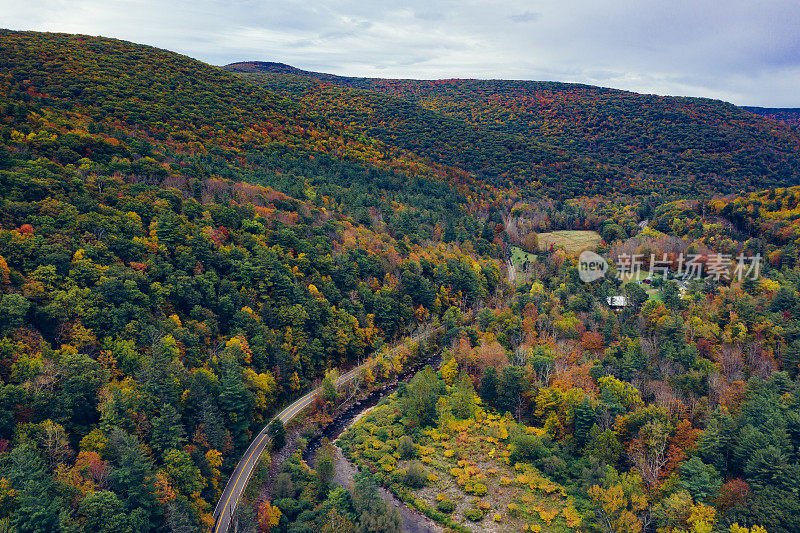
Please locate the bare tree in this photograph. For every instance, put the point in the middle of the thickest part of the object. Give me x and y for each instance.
(648, 452)
(55, 443)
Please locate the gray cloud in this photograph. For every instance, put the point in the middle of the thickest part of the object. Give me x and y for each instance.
(740, 51)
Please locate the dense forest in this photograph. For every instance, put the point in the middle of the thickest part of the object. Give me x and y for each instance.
(574, 139)
(185, 249)
(789, 116)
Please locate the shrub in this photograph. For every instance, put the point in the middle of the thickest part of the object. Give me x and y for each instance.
(415, 476)
(528, 448)
(446, 506)
(474, 515)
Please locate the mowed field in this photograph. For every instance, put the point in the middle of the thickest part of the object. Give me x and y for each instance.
(572, 240)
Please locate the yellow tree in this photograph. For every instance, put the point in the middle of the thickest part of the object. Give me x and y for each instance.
(621, 505)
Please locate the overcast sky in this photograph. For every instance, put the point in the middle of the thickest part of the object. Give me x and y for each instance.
(743, 51)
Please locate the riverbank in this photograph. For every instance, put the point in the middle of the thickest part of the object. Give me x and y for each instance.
(306, 432)
(413, 521)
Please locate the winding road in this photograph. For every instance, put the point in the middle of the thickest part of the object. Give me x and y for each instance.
(226, 506)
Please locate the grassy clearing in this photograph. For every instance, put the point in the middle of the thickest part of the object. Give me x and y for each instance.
(656, 295)
(573, 241)
(638, 276)
(519, 256)
(470, 482)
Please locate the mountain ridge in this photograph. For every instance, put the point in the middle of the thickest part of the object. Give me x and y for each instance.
(575, 138)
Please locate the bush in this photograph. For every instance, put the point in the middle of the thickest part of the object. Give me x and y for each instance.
(415, 476)
(278, 434)
(528, 448)
(406, 447)
(474, 515)
(446, 506)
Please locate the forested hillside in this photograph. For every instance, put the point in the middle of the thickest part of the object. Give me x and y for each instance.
(157, 304)
(573, 139)
(156, 114)
(789, 116)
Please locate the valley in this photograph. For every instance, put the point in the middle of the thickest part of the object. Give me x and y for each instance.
(187, 249)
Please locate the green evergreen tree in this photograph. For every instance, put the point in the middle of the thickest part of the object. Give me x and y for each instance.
(419, 401)
(235, 400)
(38, 503)
(701, 480)
(325, 466)
(585, 418)
(511, 388)
(463, 397)
(488, 388)
(167, 432)
(133, 476)
(277, 432)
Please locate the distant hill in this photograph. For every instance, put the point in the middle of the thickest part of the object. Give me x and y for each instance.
(787, 115)
(570, 139)
(196, 121)
(256, 67)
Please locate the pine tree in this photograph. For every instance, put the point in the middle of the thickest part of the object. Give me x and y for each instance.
(488, 388)
(134, 474)
(325, 466)
(235, 400)
(38, 504)
(464, 397)
(167, 430)
(511, 387)
(585, 418)
(701, 480)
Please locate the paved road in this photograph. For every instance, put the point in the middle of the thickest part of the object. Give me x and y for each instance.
(238, 481)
